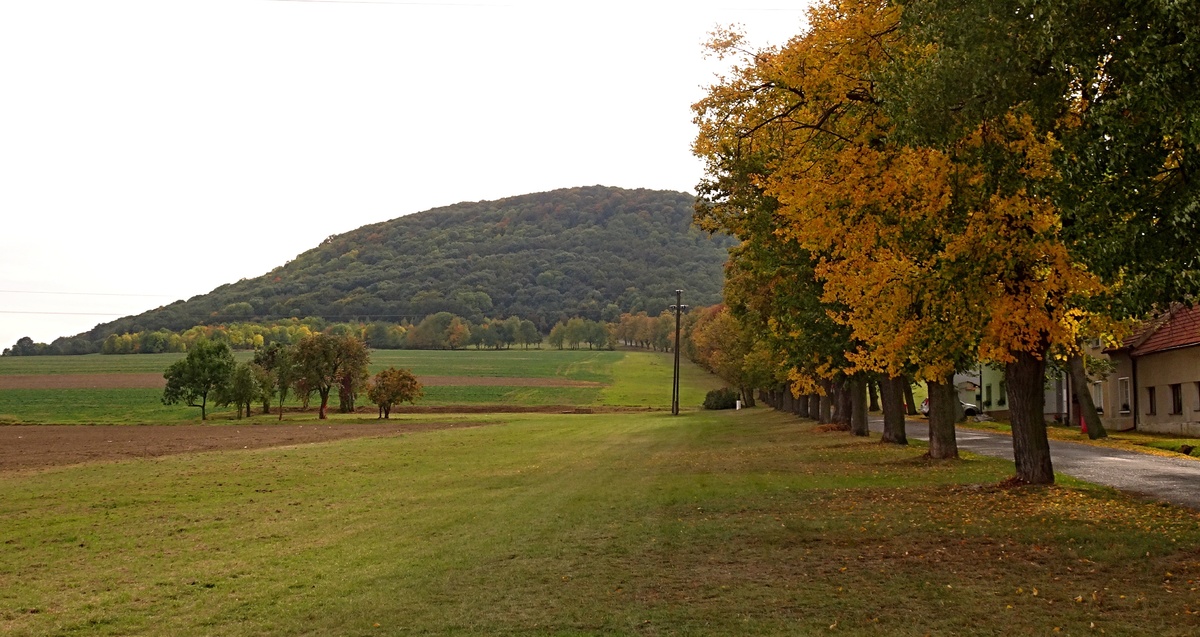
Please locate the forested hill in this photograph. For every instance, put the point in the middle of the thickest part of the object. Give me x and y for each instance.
(591, 252)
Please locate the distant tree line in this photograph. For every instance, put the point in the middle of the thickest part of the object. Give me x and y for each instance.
(655, 333)
(442, 330)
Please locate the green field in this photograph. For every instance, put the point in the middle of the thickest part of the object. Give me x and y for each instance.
(92, 406)
(532, 363)
(514, 363)
(92, 364)
(625, 378)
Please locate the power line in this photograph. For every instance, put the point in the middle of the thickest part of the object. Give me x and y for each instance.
(63, 313)
(416, 4)
(154, 296)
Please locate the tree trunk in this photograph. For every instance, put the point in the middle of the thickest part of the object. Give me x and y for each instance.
(826, 403)
(1026, 379)
(802, 405)
(872, 391)
(844, 398)
(814, 406)
(892, 396)
(858, 405)
(943, 412)
(747, 397)
(324, 403)
(910, 405)
(1079, 385)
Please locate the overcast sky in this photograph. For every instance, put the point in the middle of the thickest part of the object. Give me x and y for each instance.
(153, 150)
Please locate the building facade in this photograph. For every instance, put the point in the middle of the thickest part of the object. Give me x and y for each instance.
(1155, 383)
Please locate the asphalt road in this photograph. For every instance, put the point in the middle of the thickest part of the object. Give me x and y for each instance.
(1174, 480)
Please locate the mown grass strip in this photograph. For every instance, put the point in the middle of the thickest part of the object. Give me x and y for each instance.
(643, 379)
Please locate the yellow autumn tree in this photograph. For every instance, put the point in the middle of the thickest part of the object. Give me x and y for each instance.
(934, 257)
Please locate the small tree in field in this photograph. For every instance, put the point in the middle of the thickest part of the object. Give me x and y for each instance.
(392, 386)
(323, 362)
(242, 389)
(207, 368)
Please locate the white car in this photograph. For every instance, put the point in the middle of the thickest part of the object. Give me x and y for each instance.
(968, 408)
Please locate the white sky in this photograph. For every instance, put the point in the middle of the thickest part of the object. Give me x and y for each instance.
(153, 150)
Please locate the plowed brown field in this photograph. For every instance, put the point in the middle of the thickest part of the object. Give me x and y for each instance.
(38, 446)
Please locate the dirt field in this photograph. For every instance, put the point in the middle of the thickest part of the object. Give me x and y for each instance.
(82, 381)
(156, 381)
(37, 446)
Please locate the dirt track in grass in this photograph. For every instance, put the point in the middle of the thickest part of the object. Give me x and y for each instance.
(24, 447)
(155, 381)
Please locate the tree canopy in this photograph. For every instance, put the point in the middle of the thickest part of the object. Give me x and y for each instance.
(206, 370)
(956, 182)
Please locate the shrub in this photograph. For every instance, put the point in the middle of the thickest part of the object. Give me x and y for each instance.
(721, 399)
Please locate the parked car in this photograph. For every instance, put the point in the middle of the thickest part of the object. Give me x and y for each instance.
(968, 408)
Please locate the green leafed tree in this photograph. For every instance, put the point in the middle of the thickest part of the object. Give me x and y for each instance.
(322, 362)
(206, 369)
(529, 334)
(242, 389)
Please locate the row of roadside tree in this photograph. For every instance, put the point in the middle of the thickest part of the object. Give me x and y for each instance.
(924, 185)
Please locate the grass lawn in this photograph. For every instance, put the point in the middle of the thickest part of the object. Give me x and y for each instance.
(708, 523)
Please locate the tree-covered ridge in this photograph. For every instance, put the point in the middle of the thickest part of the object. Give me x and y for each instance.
(592, 252)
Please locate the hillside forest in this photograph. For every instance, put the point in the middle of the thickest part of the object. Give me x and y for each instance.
(590, 252)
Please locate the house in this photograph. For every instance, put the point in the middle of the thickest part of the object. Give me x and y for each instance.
(1155, 383)
(985, 387)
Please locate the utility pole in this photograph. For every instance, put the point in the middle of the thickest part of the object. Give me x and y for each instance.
(678, 309)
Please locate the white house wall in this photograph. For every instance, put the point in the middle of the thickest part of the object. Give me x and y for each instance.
(1161, 370)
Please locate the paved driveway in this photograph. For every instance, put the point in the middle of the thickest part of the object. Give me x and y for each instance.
(1175, 480)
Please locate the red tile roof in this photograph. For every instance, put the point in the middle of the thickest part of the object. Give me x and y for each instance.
(1182, 329)
(1142, 331)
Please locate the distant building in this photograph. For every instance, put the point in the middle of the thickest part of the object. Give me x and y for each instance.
(1156, 384)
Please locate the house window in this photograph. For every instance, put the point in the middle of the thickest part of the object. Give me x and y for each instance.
(1197, 395)
(987, 395)
(1123, 394)
(1150, 407)
(1176, 399)
(1004, 394)
(1098, 396)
